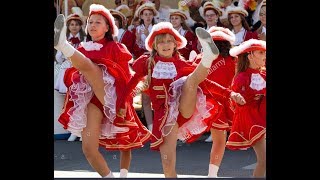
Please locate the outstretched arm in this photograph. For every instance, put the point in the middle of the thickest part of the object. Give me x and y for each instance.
(216, 88)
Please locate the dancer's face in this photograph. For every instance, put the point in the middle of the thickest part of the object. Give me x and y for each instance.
(97, 27)
(257, 59)
(165, 45)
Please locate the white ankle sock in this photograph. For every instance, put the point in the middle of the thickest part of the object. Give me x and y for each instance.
(72, 137)
(110, 175)
(207, 44)
(213, 170)
(123, 173)
(67, 49)
(60, 38)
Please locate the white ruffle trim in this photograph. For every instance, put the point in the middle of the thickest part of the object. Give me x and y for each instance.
(91, 46)
(164, 70)
(257, 82)
(195, 125)
(81, 94)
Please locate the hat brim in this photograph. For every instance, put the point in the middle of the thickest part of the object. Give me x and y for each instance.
(165, 28)
(100, 9)
(247, 46)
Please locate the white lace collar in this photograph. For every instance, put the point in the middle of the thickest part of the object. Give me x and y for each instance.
(164, 70)
(91, 46)
(257, 82)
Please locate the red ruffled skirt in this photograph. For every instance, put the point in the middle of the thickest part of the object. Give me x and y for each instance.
(116, 133)
(249, 126)
(224, 121)
(166, 115)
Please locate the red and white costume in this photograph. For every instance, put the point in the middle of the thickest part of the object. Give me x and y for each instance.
(222, 71)
(167, 77)
(112, 57)
(249, 123)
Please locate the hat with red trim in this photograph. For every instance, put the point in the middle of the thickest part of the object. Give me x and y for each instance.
(247, 46)
(222, 34)
(164, 28)
(100, 9)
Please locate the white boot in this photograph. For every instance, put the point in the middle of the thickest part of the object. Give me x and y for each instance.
(60, 37)
(209, 139)
(110, 175)
(72, 137)
(209, 48)
(213, 171)
(123, 173)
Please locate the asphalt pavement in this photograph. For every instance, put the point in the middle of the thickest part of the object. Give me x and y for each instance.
(192, 161)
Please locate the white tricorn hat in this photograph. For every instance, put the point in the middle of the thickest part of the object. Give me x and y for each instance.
(222, 34)
(100, 9)
(247, 46)
(164, 28)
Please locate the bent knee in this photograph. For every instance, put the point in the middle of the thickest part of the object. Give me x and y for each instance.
(186, 115)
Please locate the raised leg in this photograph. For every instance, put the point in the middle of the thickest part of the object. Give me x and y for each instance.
(189, 89)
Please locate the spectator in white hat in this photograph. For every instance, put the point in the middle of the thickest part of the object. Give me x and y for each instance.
(124, 36)
(146, 12)
(178, 20)
(211, 13)
(239, 25)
